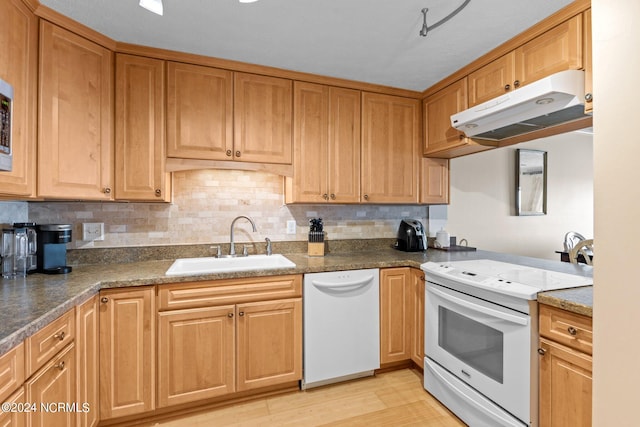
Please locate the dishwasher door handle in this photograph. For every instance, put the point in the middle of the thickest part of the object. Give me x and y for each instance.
(344, 286)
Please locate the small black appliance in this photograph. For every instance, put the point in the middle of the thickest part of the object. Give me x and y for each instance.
(52, 248)
(411, 236)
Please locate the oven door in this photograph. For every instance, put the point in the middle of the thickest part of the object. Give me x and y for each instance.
(485, 345)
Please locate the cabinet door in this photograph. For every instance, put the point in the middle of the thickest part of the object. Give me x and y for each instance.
(434, 182)
(396, 295)
(310, 144)
(269, 346)
(417, 320)
(140, 130)
(588, 63)
(19, 67)
(326, 145)
(54, 383)
(12, 370)
(492, 80)
(127, 359)
(199, 112)
(390, 137)
(196, 354)
(87, 356)
(438, 108)
(16, 418)
(344, 145)
(565, 386)
(75, 140)
(556, 50)
(262, 118)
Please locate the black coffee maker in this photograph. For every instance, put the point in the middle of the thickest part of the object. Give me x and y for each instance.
(411, 236)
(52, 248)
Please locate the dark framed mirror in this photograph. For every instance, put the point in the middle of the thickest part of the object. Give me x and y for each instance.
(531, 182)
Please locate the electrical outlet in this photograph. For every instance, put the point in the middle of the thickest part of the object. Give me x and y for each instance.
(92, 231)
(291, 226)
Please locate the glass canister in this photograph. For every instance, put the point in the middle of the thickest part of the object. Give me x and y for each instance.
(7, 252)
(21, 252)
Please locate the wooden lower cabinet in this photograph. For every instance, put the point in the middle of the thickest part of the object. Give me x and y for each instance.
(14, 418)
(417, 316)
(54, 384)
(213, 351)
(196, 355)
(395, 314)
(269, 346)
(565, 386)
(127, 351)
(566, 366)
(87, 354)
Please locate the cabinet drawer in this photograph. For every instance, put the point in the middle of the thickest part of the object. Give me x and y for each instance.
(45, 343)
(228, 291)
(570, 329)
(11, 371)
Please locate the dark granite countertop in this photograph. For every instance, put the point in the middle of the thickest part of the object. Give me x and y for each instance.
(31, 303)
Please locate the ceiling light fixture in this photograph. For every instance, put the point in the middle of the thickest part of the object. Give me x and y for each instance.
(426, 29)
(247, 1)
(154, 6)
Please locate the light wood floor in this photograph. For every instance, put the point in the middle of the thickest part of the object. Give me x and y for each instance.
(390, 399)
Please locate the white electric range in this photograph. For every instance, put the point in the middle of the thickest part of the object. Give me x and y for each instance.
(481, 337)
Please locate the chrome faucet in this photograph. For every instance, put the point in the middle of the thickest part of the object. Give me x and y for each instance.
(232, 249)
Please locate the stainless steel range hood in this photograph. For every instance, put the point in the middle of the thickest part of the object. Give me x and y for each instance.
(554, 100)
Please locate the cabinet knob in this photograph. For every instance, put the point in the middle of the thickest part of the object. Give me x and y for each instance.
(158, 192)
(588, 97)
(516, 83)
(507, 87)
(325, 196)
(230, 315)
(104, 300)
(228, 153)
(106, 190)
(60, 336)
(572, 331)
(333, 196)
(241, 313)
(366, 197)
(59, 365)
(542, 351)
(238, 153)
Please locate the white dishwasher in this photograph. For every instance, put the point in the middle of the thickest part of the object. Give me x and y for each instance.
(341, 326)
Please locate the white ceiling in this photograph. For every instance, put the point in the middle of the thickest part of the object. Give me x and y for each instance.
(374, 41)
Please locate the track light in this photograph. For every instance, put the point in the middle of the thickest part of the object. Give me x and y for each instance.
(154, 6)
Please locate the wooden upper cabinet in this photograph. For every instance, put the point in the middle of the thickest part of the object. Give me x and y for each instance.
(19, 68)
(199, 112)
(75, 138)
(588, 62)
(262, 117)
(492, 80)
(434, 181)
(326, 151)
(140, 130)
(390, 139)
(556, 50)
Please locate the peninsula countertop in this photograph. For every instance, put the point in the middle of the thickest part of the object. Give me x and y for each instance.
(31, 303)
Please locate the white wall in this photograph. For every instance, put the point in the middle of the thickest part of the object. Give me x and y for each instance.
(616, 56)
(482, 207)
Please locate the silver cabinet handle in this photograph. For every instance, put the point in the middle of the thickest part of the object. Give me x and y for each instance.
(104, 300)
(542, 351)
(59, 365)
(572, 331)
(230, 315)
(588, 97)
(241, 313)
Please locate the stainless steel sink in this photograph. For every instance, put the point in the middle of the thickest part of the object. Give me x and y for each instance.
(211, 265)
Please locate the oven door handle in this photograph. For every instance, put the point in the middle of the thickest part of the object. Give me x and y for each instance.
(479, 308)
(345, 286)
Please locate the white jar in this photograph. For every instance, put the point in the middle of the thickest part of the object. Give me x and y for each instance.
(443, 239)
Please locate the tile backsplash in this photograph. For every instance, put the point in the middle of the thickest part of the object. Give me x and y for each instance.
(205, 202)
